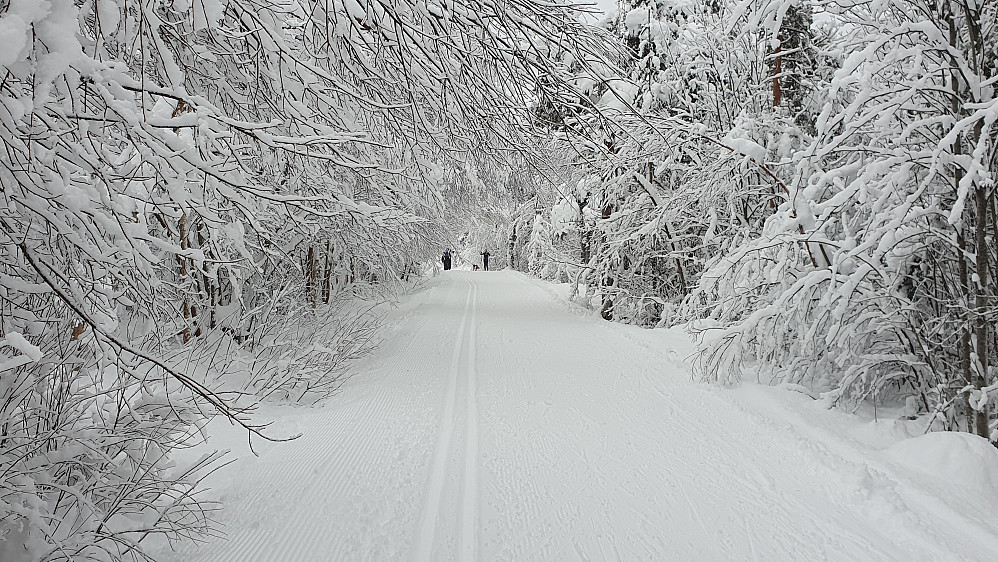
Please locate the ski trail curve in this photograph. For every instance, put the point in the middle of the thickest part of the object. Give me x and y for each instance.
(429, 535)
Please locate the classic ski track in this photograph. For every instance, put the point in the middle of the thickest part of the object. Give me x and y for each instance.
(469, 505)
(427, 534)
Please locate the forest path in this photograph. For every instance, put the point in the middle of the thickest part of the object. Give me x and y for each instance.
(496, 422)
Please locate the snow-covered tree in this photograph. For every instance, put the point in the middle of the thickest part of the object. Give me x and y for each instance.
(812, 182)
(873, 277)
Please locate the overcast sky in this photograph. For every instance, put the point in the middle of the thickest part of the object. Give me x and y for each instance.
(606, 5)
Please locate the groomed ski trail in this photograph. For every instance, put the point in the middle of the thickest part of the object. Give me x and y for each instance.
(462, 371)
(498, 423)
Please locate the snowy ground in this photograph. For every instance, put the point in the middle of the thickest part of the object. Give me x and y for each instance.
(497, 422)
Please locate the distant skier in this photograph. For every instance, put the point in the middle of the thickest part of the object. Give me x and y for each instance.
(446, 258)
(485, 260)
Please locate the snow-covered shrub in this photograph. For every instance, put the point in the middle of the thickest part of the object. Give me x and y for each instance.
(293, 352)
(306, 355)
(553, 247)
(817, 196)
(86, 452)
(671, 188)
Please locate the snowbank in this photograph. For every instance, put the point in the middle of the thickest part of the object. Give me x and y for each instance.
(953, 458)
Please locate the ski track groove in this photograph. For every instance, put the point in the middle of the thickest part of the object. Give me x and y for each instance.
(469, 504)
(428, 540)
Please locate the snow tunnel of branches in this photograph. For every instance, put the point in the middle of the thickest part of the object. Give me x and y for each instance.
(206, 201)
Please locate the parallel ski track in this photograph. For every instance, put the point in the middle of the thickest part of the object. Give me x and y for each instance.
(469, 504)
(428, 534)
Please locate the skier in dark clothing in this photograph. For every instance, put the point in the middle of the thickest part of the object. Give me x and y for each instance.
(446, 259)
(485, 260)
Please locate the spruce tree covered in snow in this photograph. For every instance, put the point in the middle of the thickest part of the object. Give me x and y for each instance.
(551, 250)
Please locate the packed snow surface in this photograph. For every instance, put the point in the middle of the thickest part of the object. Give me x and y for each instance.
(499, 422)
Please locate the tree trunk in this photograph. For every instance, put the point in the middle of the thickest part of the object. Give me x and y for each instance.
(210, 283)
(982, 327)
(310, 275)
(964, 351)
(963, 272)
(985, 224)
(606, 311)
(777, 70)
(327, 273)
(186, 307)
(512, 246)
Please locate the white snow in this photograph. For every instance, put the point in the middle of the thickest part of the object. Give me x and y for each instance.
(745, 146)
(207, 13)
(14, 37)
(960, 462)
(620, 94)
(110, 16)
(636, 18)
(498, 422)
(17, 341)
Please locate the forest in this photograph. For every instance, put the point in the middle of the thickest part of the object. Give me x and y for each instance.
(204, 201)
